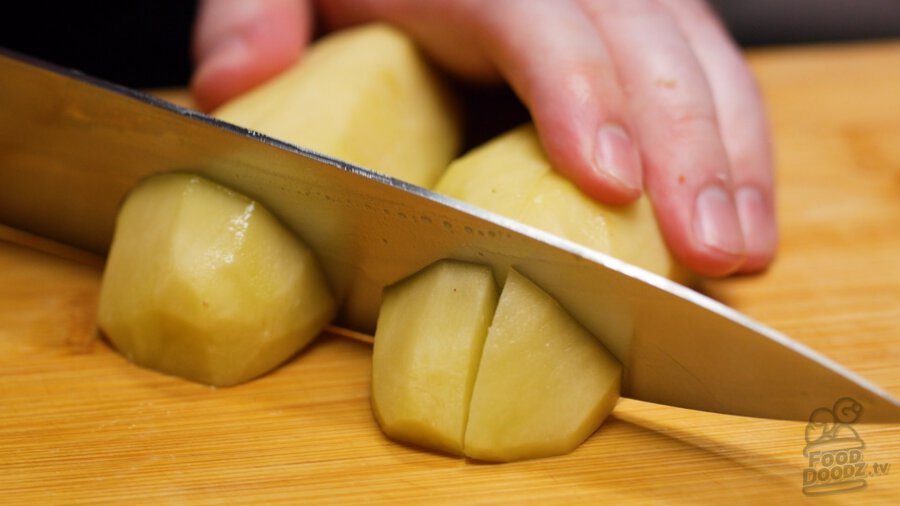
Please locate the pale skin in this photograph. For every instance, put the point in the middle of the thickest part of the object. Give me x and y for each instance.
(628, 96)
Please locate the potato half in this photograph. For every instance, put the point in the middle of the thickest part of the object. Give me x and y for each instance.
(365, 95)
(512, 176)
(204, 283)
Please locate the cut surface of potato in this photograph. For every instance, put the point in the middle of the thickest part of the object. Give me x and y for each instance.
(428, 342)
(206, 284)
(544, 383)
(511, 176)
(365, 95)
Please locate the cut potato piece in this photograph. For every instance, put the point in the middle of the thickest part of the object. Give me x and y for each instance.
(206, 284)
(544, 383)
(511, 176)
(364, 95)
(428, 342)
(457, 371)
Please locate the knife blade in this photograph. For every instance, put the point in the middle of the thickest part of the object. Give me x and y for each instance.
(72, 146)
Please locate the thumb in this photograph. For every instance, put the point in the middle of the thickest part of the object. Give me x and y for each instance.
(239, 44)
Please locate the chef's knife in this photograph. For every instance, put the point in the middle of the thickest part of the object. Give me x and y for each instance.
(72, 146)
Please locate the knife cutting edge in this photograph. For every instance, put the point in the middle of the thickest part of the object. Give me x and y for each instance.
(71, 146)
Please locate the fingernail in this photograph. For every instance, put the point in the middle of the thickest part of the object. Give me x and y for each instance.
(228, 52)
(616, 157)
(757, 221)
(716, 222)
(213, 82)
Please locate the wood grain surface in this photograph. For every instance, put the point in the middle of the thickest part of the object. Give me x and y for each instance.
(80, 425)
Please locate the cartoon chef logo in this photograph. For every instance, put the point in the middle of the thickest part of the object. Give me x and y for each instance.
(834, 450)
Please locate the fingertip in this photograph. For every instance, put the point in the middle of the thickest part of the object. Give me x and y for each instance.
(758, 226)
(222, 74)
(617, 162)
(238, 64)
(706, 237)
(604, 163)
(239, 45)
(710, 262)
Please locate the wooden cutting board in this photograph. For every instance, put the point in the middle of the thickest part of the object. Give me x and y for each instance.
(80, 425)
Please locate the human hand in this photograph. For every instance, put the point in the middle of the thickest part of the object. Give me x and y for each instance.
(627, 95)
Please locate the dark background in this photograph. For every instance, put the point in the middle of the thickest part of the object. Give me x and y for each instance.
(145, 43)
(137, 43)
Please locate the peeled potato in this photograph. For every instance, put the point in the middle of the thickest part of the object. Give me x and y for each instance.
(204, 283)
(457, 371)
(511, 176)
(365, 95)
(431, 329)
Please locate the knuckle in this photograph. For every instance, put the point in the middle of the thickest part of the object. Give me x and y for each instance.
(691, 118)
(621, 8)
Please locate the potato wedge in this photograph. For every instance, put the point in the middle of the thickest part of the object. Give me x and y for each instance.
(544, 383)
(431, 329)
